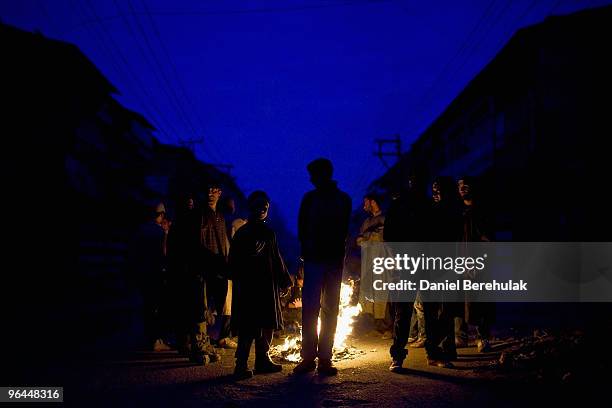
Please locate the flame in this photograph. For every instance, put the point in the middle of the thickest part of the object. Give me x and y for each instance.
(290, 349)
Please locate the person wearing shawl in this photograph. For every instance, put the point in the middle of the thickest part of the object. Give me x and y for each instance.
(259, 276)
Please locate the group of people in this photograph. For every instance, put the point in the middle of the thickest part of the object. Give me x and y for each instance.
(231, 279)
(182, 268)
(452, 214)
(200, 276)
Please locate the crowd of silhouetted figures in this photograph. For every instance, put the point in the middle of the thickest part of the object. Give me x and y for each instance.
(211, 279)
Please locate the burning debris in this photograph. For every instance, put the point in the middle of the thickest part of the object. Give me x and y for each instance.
(290, 349)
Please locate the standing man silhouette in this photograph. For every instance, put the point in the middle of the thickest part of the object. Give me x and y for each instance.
(322, 230)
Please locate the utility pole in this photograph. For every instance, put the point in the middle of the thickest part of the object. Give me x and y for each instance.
(190, 143)
(382, 153)
(224, 167)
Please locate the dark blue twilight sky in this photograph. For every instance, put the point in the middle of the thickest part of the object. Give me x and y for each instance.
(271, 85)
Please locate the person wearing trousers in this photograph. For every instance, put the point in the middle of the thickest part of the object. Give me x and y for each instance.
(322, 230)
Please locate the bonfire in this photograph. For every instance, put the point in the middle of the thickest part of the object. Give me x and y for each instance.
(290, 349)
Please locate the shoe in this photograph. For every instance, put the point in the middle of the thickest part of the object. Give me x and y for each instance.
(411, 339)
(214, 357)
(461, 342)
(266, 366)
(326, 367)
(242, 372)
(227, 343)
(204, 358)
(419, 343)
(396, 366)
(449, 356)
(483, 346)
(439, 363)
(305, 366)
(200, 359)
(387, 335)
(160, 345)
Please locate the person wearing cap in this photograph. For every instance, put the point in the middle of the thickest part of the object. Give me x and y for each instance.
(323, 223)
(259, 275)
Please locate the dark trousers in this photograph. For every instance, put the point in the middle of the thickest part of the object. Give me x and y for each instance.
(481, 315)
(190, 310)
(402, 314)
(262, 339)
(437, 327)
(447, 331)
(320, 298)
(154, 293)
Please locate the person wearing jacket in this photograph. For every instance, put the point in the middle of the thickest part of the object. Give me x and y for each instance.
(406, 221)
(147, 259)
(322, 231)
(215, 249)
(475, 227)
(192, 316)
(371, 231)
(259, 276)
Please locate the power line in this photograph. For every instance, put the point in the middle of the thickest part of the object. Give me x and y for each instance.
(426, 97)
(517, 21)
(180, 83)
(121, 73)
(474, 47)
(503, 38)
(477, 45)
(99, 38)
(45, 13)
(168, 88)
(239, 11)
(525, 13)
(271, 9)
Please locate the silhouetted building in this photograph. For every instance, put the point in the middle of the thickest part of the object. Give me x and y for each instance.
(82, 172)
(533, 124)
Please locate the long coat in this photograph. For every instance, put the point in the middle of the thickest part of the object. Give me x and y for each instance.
(187, 277)
(259, 275)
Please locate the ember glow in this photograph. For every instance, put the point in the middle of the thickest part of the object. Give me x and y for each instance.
(290, 349)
